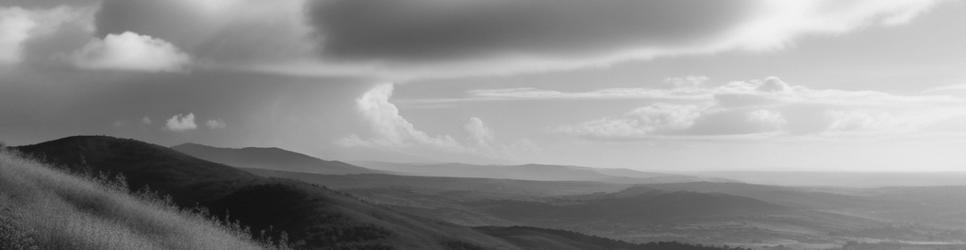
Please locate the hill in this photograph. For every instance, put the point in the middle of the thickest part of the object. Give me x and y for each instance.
(315, 216)
(536, 172)
(43, 208)
(270, 159)
(312, 216)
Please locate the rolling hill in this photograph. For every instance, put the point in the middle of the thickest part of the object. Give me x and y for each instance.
(270, 159)
(312, 216)
(316, 217)
(42, 208)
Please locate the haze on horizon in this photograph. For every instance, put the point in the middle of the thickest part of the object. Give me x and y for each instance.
(664, 85)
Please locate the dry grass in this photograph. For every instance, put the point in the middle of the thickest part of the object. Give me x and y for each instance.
(44, 208)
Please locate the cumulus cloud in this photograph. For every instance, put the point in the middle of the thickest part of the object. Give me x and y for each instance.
(146, 120)
(768, 106)
(216, 124)
(133, 52)
(391, 129)
(480, 134)
(181, 123)
(393, 132)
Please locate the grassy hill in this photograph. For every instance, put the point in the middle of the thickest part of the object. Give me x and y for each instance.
(270, 159)
(44, 208)
(313, 216)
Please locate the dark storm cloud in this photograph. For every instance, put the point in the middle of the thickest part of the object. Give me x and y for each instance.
(428, 30)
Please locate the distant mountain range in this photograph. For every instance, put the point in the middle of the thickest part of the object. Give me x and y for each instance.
(537, 172)
(277, 159)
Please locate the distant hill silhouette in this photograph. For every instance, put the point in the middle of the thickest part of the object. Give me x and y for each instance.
(314, 217)
(489, 187)
(538, 172)
(270, 159)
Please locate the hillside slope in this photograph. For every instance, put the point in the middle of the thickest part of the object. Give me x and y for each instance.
(42, 208)
(314, 216)
(270, 159)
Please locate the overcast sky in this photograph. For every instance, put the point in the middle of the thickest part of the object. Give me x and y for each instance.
(672, 85)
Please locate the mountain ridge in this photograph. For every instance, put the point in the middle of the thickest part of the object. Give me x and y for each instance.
(270, 158)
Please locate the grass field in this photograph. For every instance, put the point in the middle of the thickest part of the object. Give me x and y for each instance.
(45, 208)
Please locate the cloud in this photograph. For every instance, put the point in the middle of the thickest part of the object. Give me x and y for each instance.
(146, 120)
(769, 106)
(132, 52)
(15, 25)
(947, 89)
(223, 33)
(482, 37)
(639, 123)
(216, 124)
(390, 128)
(391, 131)
(771, 90)
(480, 134)
(18, 25)
(406, 39)
(181, 123)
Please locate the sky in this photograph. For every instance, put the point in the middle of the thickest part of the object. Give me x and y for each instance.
(658, 85)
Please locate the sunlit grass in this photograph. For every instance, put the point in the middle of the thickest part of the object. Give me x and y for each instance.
(45, 208)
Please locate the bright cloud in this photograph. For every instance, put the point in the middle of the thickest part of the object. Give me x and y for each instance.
(391, 129)
(181, 123)
(480, 134)
(216, 124)
(15, 25)
(641, 122)
(18, 25)
(393, 132)
(133, 52)
(770, 106)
